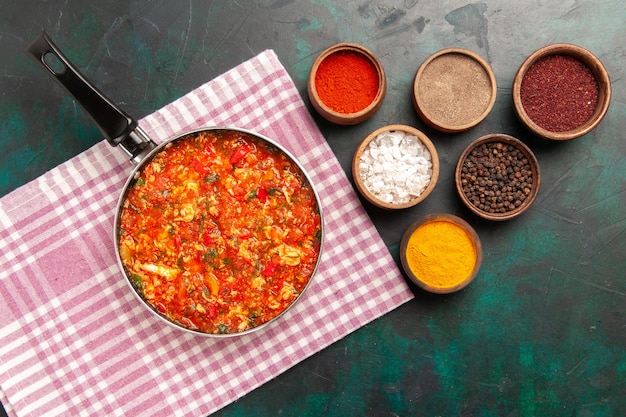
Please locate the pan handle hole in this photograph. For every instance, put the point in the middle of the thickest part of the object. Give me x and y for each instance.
(54, 63)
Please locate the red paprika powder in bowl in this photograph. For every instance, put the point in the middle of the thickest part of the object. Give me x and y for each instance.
(561, 92)
(346, 84)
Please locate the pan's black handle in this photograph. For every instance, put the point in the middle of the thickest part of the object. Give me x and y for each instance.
(116, 125)
(113, 122)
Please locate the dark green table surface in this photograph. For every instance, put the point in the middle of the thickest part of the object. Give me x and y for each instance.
(542, 329)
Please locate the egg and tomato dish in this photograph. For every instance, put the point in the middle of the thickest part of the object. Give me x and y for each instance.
(220, 232)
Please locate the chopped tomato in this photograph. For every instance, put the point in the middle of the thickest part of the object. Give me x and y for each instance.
(261, 194)
(269, 269)
(207, 239)
(240, 152)
(199, 167)
(161, 307)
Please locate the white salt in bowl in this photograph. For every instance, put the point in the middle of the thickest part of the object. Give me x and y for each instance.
(395, 167)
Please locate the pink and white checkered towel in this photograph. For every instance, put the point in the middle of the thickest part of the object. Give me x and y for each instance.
(75, 341)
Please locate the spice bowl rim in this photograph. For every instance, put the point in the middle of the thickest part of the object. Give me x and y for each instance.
(598, 70)
(459, 222)
(347, 118)
(532, 160)
(390, 128)
(442, 126)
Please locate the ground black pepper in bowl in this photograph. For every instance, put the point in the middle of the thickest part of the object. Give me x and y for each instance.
(497, 177)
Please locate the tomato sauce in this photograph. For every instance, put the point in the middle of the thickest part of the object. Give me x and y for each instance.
(220, 232)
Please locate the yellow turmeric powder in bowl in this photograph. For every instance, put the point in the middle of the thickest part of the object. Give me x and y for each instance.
(441, 253)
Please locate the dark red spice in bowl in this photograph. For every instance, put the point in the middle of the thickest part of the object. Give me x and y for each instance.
(559, 93)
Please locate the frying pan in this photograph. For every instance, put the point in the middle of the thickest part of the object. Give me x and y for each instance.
(122, 131)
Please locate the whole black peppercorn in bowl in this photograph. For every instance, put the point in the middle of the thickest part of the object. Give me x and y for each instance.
(497, 177)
